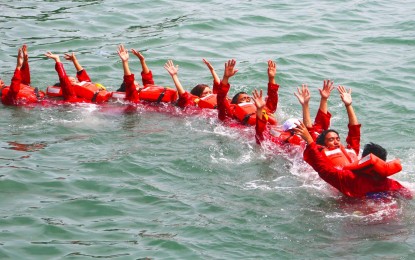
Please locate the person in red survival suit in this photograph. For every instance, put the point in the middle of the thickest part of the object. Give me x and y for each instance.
(233, 109)
(132, 90)
(328, 142)
(199, 94)
(20, 92)
(285, 134)
(79, 89)
(346, 181)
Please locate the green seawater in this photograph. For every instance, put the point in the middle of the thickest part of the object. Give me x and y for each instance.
(155, 182)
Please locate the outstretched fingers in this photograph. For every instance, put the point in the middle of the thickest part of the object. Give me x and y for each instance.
(50, 55)
(257, 97)
(230, 68)
(272, 68)
(303, 94)
(122, 52)
(327, 88)
(171, 68)
(345, 95)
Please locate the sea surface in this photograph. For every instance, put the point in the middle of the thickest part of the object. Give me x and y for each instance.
(156, 182)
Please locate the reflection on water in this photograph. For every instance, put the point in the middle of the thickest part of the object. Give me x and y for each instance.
(33, 147)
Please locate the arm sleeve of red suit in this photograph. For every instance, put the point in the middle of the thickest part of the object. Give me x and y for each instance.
(147, 78)
(322, 121)
(353, 137)
(83, 76)
(260, 128)
(185, 100)
(216, 87)
(131, 93)
(272, 100)
(14, 89)
(313, 132)
(68, 91)
(224, 108)
(25, 71)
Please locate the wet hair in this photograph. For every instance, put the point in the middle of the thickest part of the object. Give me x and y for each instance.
(235, 98)
(320, 139)
(57, 84)
(121, 88)
(375, 149)
(198, 89)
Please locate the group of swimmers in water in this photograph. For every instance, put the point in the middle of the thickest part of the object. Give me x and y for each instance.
(336, 164)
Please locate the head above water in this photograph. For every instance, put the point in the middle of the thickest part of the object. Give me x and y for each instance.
(290, 124)
(241, 97)
(201, 90)
(329, 138)
(123, 86)
(375, 149)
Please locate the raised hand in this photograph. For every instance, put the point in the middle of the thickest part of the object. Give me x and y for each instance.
(210, 67)
(138, 54)
(257, 97)
(272, 69)
(230, 69)
(70, 56)
(303, 94)
(345, 95)
(171, 68)
(327, 88)
(50, 55)
(123, 53)
(302, 131)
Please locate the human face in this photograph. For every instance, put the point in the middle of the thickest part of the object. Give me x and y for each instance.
(1, 84)
(243, 98)
(332, 140)
(206, 91)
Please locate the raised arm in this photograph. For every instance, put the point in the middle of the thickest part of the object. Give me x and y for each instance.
(346, 96)
(25, 66)
(224, 110)
(52, 56)
(303, 96)
(272, 100)
(272, 71)
(11, 97)
(124, 56)
(140, 56)
(216, 79)
(261, 122)
(15, 84)
(131, 93)
(229, 72)
(81, 74)
(68, 91)
(72, 57)
(259, 103)
(325, 94)
(173, 70)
